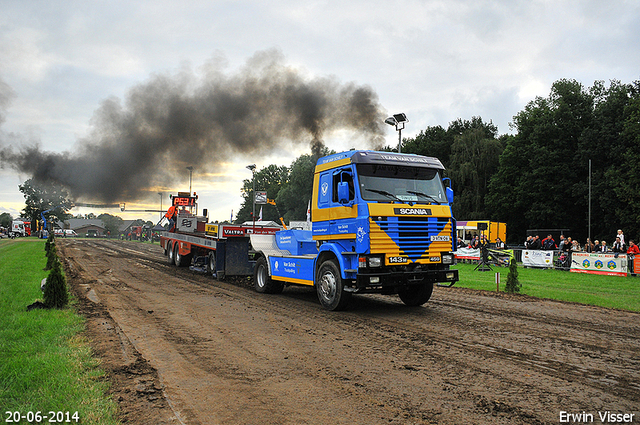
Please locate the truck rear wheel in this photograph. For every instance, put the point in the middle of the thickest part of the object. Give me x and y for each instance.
(180, 260)
(330, 287)
(262, 282)
(170, 252)
(211, 265)
(415, 295)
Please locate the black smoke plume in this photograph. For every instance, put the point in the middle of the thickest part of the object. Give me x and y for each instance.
(181, 119)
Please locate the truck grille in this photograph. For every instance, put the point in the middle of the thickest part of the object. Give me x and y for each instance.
(410, 236)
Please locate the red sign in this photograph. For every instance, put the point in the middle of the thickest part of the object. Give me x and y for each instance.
(184, 202)
(240, 231)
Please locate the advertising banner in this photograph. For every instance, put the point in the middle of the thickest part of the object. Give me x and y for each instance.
(537, 258)
(607, 264)
(467, 254)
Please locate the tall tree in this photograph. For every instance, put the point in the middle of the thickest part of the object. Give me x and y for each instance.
(271, 179)
(625, 173)
(44, 196)
(474, 159)
(111, 223)
(433, 141)
(296, 193)
(5, 219)
(542, 180)
(470, 151)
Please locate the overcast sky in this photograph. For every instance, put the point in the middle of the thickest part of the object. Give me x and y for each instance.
(434, 60)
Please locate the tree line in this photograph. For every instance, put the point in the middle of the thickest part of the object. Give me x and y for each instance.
(535, 178)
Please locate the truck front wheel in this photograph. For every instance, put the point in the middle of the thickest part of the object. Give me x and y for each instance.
(415, 295)
(330, 287)
(262, 282)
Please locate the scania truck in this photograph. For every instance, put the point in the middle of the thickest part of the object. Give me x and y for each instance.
(381, 223)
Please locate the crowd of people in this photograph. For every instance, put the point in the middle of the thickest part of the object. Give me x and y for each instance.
(566, 245)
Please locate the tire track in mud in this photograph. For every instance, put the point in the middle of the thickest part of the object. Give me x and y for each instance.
(490, 359)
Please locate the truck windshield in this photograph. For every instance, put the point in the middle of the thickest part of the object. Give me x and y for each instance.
(388, 183)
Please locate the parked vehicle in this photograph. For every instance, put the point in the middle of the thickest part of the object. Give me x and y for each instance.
(20, 228)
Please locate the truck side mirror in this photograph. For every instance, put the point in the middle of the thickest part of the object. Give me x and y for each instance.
(449, 195)
(343, 192)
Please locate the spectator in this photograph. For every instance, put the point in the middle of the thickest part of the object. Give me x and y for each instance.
(632, 252)
(475, 243)
(548, 243)
(527, 243)
(575, 246)
(621, 236)
(588, 246)
(562, 242)
(597, 247)
(460, 243)
(535, 242)
(499, 243)
(618, 246)
(568, 245)
(603, 247)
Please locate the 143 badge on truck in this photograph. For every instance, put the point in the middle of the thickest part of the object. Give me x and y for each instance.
(398, 260)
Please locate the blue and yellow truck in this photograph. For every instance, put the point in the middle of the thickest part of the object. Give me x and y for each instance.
(381, 223)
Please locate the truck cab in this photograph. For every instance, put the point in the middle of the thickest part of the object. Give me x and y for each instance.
(381, 223)
(18, 228)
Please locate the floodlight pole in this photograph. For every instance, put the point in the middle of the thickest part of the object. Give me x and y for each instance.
(398, 120)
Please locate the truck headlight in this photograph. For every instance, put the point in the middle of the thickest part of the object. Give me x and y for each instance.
(447, 258)
(375, 261)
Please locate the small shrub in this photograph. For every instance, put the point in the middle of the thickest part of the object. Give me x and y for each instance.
(48, 243)
(55, 291)
(52, 256)
(513, 284)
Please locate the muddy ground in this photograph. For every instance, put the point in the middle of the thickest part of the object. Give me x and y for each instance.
(180, 347)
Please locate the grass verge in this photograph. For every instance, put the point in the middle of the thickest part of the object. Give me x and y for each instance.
(605, 291)
(46, 363)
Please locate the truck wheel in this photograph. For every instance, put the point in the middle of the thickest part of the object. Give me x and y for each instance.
(181, 260)
(211, 265)
(262, 282)
(415, 295)
(170, 252)
(330, 287)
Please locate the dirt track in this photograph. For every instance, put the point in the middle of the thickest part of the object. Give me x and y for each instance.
(180, 347)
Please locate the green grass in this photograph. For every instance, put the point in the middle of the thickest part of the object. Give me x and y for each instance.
(45, 362)
(604, 291)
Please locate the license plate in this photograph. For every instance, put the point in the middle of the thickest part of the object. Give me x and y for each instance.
(440, 239)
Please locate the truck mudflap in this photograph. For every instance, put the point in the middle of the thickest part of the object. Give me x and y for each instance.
(388, 282)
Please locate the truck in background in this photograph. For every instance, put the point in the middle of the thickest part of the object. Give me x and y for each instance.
(20, 228)
(218, 249)
(381, 223)
(467, 230)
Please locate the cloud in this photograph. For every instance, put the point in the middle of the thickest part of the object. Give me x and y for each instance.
(175, 120)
